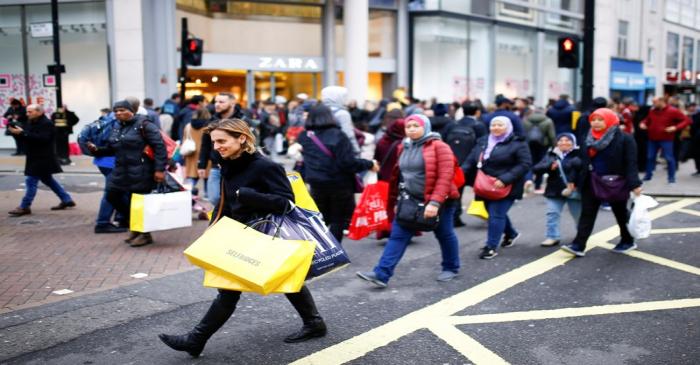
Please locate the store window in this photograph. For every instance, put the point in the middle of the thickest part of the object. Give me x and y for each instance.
(687, 62)
(480, 69)
(672, 40)
(622, 33)
(83, 52)
(514, 62)
(440, 58)
(382, 33)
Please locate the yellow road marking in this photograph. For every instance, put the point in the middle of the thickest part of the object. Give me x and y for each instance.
(690, 211)
(433, 315)
(675, 230)
(659, 260)
(575, 312)
(466, 345)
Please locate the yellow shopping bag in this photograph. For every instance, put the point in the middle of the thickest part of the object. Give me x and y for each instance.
(478, 208)
(302, 198)
(258, 261)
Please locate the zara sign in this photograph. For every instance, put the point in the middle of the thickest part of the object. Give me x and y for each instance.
(288, 63)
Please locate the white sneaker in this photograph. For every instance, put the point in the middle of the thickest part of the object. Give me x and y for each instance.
(549, 242)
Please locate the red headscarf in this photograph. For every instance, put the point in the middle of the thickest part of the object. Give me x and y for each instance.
(610, 118)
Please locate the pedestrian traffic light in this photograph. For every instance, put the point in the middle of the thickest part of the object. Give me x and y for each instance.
(193, 51)
(568, 52)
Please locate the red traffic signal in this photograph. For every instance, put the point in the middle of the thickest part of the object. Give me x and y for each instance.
(193, 51)
(568, 52)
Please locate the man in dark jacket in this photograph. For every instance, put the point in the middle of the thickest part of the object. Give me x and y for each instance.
(560, 113)
(63, 120)
(184, 117)
(503, 106)
(226, 108)
(133, 172)
(16, 115)
(41, 163)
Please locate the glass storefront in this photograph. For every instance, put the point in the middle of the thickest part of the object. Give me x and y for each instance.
(83, 52)
(515, 62)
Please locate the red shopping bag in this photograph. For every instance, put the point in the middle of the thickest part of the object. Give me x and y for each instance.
(370, 214)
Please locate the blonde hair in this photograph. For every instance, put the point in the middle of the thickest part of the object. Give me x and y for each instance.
(235, 128)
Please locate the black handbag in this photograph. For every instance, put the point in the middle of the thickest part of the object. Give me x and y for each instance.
(410, 214)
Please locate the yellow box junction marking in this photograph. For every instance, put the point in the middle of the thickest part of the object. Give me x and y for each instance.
(439, 317)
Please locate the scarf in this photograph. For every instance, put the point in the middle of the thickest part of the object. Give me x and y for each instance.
(494, 140)
(595, 145)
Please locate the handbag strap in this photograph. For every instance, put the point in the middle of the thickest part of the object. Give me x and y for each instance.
(221, 202)
(391, 148)
(561, 171)
(320, 144)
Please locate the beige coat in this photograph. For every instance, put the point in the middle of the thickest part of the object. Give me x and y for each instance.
(192, 160)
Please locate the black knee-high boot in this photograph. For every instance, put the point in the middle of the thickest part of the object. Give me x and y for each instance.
(219, 312)
(314, 326)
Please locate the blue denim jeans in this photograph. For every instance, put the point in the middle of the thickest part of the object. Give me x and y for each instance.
(32, 183)
(400, 238)
(104, 214)
(499, 223)
(554, 208)
(214, 186)
(667, 148)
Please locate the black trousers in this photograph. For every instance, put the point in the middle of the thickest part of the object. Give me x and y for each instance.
(225, 303)
(121, 201)
(19, 144)
(589, 211)
(62, 150)
(337, 205)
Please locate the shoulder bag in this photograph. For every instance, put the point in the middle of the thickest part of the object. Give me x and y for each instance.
(485, 185)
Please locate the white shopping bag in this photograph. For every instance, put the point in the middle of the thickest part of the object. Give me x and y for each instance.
(157, 212)
(639, 224)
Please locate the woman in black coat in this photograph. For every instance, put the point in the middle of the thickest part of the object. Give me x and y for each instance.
(331, 175)
(134, 173)
(505, 156)
(566, 158)
(609, 155)
(253, 187)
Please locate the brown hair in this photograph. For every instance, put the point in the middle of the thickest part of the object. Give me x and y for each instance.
(202, 113)
(235, 128)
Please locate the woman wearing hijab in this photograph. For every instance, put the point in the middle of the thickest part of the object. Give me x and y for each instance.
(563, 166)
(426, 172)
(506, 157)
(609, 174)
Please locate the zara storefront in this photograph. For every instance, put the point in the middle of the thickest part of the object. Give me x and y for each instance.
(478, 49)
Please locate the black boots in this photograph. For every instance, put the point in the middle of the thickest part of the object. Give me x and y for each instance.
(314, 326)
(219, 312)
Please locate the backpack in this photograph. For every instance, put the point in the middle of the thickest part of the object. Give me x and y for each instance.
(535, 135)
(461, 139)
(97, 132)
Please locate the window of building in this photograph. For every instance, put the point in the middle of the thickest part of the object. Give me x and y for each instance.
(557, 19)
(687, 8)
(697, 56)
(688, 51)
(622, 32)
(515, 11)
(673, 11)
(697, 14)
(653, 5)
(515, 62)
(651, 55)
(672, 40)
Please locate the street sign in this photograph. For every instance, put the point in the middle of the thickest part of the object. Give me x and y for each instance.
(41, 30)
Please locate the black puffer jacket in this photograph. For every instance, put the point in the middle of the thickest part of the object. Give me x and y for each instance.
(323, 170)
(572, 168)
(619, 158)
(254, 187)
(510, 161)
(133, 171)
(38, 136)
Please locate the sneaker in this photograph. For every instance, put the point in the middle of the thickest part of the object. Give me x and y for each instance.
(529, 187)
(574, 249)
(624, 247)
(549, 242)
(539, 191)
(446, 276)
(487, 253)
(672, 182)
(372, 278)
(695, 174)
(509, 241)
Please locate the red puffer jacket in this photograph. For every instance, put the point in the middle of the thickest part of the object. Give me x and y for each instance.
(439, 173)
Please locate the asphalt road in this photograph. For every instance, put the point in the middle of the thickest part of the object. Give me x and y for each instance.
(530, 305)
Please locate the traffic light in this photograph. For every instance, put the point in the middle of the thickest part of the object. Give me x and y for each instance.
(193, 51)
(568, 52)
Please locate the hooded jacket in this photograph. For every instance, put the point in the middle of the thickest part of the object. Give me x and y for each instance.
(572, 165)
(560, 113)
(334, 97)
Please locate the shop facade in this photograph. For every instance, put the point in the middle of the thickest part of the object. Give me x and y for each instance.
(479, 49)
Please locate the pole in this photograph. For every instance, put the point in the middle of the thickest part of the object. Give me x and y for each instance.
(56, 53)
(183, 63)
(588, 39)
